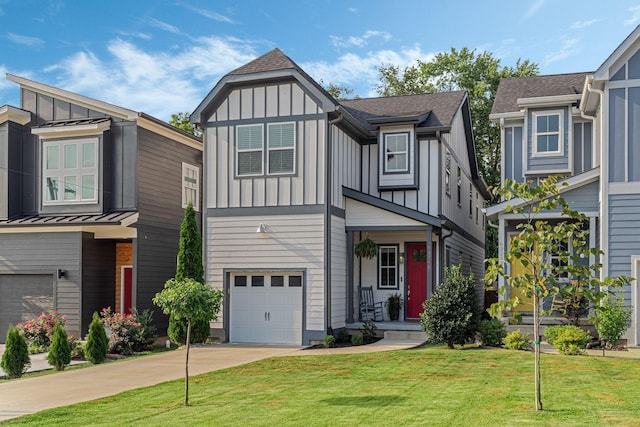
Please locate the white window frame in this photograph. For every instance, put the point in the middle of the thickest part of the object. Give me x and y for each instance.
(535, 133)
(188, 185)
(78, 172)
(261, 150)
(447, 173)
(388, 153)
(270, 150)
(393, 267)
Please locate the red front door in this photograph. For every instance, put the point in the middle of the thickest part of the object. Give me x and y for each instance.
(127, 289)
(416, 279)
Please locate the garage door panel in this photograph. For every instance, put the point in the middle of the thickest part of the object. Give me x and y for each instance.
(23, 297)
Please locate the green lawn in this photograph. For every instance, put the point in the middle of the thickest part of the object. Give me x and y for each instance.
(427, 386)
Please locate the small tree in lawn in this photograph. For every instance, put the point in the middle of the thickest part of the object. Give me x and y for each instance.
(60, 352)
(452, 314)
(542, 247)
(189, 266)
(191, 300)
(97, 345)
(15, 359)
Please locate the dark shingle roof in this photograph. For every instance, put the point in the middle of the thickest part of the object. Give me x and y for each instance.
(441, 106)
(270, 61)
(513, 88)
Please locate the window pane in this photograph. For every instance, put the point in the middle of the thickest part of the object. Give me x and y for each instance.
(295, 281)
(541, 124)
(249, 137)
(53, 157)
(277, 281)
(250, 163)
(70, 156)
(553, 123)
(88, 187)
(89, 155)
(51, 192)
(257, 281)
(240, 281)
(552, 142)
(543, 143)
(70, 188)
(281, 161)
(281, 135)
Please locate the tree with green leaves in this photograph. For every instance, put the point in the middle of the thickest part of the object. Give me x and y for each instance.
(542, 247)
(60, 352)
(189, 299)
(339, 92)
(15, 359)
(478, 73)
(97, 345)
(181, 121)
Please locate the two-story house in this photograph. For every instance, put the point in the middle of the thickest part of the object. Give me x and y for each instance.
(91, 201)
(582, 126)
(294, 179)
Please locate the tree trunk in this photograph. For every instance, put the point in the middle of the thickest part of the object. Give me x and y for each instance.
(450, 345)
(536, 347)
(186, 365)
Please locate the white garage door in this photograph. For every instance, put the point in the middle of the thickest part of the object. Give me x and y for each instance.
(266, 308)
(23, 297)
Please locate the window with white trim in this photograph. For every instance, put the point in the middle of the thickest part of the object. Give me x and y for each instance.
(459, 186)
(547, 133)
(281, 148)
(396, 152)
(447, 173)
(470, 200)
(249, 150)
(388, 267)
(190, 186)
(70, 171)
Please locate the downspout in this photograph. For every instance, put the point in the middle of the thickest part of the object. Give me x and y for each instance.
(327, 217)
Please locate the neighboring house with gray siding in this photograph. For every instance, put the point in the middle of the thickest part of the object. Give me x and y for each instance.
(294, 179)
(91, 201)
(586, 127)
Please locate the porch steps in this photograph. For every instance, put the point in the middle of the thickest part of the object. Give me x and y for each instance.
(405, 335)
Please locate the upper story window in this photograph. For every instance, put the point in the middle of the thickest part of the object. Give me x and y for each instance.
(459, 186)
(281, 142)
(470, 200)
(547, 133)
(249, 147)
(190, 186)
(70, 171)
(396, 152)
(447, 173)
(388, 267)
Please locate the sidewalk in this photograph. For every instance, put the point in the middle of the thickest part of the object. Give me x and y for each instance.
(30, 395)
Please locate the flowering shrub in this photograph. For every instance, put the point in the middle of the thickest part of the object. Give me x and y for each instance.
(124, 332)
(38, 332)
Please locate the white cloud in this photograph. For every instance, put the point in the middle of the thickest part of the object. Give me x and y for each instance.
(25, 40)
(164, 26)
(358, 41)
(583, 24)
(635, 16)
(532, 10)
(212, 15)
(567, 49)
(352, 10)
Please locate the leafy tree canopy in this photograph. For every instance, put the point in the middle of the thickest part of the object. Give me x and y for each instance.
(181, 121)
(339, 92)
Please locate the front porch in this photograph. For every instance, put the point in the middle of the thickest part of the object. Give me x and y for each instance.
(397, 330)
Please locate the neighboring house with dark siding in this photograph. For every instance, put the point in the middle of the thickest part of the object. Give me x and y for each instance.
(585, 127)
(91, 200)
(294, 179)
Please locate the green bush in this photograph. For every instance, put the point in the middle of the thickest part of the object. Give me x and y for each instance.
(492, 332)
(517, 340)
(60, 352)
(356, 340)
(570, 340)
(452, 314)
(329, 341)
(368, 331)
(343, 336)
(15, 359)
(77, 348)
(148, 330)
(97, 342)
(177, 330)
(551, 333)
(612, 320)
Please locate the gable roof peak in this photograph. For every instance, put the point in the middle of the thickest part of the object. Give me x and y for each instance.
(271, 61)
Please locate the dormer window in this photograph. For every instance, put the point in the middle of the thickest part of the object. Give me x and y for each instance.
(547, 133)
(396, 151)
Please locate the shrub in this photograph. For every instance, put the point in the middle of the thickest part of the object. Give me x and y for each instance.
(492, 332)
(148, 330)
(177, 330)
(551, 333)
(77, 348)
(570, 339)
(452, 314)
(60, 352)
(612, 320)
(15, 359)
(368, 331)
(517, 340)
(329, 341)
(123, 331)
(356, 340)
(38, 332)
(97, 342)
(343, 336)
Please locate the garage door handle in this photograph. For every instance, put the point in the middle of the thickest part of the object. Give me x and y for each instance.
(269, 316)
(265, 316)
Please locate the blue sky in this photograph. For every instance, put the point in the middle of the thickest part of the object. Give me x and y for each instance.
(164, 56)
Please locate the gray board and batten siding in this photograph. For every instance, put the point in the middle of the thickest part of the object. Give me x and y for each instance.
(10, 177)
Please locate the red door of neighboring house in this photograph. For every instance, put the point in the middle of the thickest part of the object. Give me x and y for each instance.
(417, 277)
(127, 289)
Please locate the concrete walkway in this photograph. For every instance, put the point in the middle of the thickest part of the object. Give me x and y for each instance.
(30, 395)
